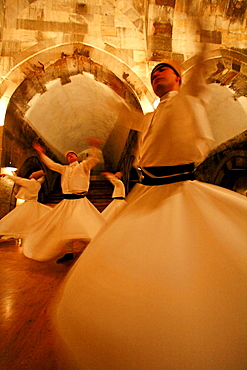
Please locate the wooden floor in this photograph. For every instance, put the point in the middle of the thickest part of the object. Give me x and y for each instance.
(27, 291)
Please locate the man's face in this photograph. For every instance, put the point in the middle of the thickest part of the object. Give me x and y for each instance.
(71, 157)
(164, 80)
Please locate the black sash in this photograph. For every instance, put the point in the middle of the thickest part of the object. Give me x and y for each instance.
(170, 170)
(118, 198)
(74, 196)
(173, 174)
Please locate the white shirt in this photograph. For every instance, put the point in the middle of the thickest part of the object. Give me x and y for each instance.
(178, 131)
(75, 176)
(179, 127)
(28, 189)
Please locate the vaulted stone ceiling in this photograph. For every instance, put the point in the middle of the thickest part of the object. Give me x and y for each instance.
(63, 60)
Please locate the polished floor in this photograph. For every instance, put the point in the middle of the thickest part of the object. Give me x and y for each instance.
(27, 292)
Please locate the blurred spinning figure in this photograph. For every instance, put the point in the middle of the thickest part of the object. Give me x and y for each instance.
(75, 217)
(118, 196)
(164, 286)
(17, 223)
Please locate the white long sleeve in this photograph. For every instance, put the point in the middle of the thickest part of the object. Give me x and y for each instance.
(28, 189)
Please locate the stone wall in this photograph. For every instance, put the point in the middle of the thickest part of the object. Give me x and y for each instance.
(226, 164)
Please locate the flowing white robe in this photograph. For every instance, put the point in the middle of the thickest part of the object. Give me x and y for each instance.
(164, 286)
(18, 222)
(70, 219)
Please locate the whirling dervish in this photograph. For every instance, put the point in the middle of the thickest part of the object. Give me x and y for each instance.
(18, 222)
(118, 196)
(164, 286)
(75, 217)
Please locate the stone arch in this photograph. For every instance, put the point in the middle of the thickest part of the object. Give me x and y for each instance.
(226, 67)
(37, 74)
(226, 164)
(33, 164)
(231, 169)
(41, 56)
(76, 60)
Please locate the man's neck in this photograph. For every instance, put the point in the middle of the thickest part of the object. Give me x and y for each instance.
(169, 95)
(73, 163)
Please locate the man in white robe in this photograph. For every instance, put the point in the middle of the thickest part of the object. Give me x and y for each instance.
(118, 196)
(164, 285)
(75, 217)
(17, 223)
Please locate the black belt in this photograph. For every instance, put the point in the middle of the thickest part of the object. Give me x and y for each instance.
(118, 198)
(74, 196)
(168, 171)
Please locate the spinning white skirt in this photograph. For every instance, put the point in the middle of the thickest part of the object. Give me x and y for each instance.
(18, 222)
(162, 287)
(113, 209)
(69, 220)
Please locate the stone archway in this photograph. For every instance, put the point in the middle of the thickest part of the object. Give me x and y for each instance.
(231, 169)
(226, 166)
